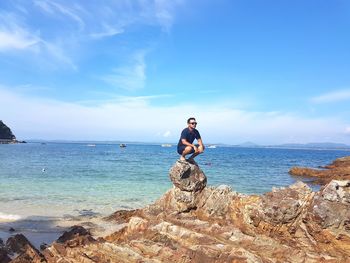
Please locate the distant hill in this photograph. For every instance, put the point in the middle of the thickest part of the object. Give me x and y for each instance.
(5, 132)
(312, 145)
(316, 145)
(248, 144)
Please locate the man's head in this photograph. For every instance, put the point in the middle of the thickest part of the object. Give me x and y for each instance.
(191, 122)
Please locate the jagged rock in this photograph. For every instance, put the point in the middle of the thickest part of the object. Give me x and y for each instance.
(76, 238)
(284, 205)
(27, 253)
(215, 203)
(122, 216)
(187, 176)
(340, 162)
(338, 170)
(4, 258)
(330, 206)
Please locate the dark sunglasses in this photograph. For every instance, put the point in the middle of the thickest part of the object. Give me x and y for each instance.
(193, 123)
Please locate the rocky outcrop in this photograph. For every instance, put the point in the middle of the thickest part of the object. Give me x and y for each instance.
(338, 170)
(22, 250)
(5, 132)
(6, 135)
(4, 258)
(216, 224)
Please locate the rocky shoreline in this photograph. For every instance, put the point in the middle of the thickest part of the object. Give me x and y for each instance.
(337, 170)
(195, 223)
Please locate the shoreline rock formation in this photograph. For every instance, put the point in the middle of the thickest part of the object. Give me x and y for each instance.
(337, 170)
(6, 135)
(195, 223)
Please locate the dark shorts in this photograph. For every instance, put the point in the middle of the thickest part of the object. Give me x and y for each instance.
(181, 148)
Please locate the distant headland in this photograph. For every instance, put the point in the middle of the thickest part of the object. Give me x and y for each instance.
(6, 135)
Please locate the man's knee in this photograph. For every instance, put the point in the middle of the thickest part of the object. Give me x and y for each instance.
(201, 149)
(187, 150)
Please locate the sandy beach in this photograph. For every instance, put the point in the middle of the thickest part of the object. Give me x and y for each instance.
(45, 230)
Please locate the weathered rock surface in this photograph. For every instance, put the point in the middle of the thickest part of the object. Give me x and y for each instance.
(338, 170)
(187, 176)
(291, 224)
(4, 258)
(27, 253)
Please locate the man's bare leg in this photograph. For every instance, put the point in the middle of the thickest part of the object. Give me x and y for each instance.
(200, 150)
(187, 150)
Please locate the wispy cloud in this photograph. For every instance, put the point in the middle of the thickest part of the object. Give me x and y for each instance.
(53, 8)
(49, 42)
(334, 96)
(17, 39)
(107, 31)
(165, 12)
(131, 76)
(58, 53)
(14, 36)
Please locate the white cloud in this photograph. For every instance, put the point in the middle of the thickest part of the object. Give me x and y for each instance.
(47, 42)
(167, 134)
(53, 8)
(334, 96)
(14, 36)
(164, 12)
(58, 53)
(131, 76)
(48, 119)
(347, 130)
(16, 40)
(107, 31)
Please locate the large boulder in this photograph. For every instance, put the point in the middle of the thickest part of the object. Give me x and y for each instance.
(187, 176)
(189, 180)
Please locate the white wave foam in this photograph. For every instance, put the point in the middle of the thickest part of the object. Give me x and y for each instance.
(9, 217)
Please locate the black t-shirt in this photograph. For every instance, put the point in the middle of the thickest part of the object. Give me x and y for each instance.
(189, 136)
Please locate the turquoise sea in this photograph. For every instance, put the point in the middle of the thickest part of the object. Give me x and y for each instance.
(60, 179)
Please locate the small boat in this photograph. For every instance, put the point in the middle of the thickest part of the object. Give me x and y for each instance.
(91, 145)
(166, 145)
(212, 146)
(122, 145)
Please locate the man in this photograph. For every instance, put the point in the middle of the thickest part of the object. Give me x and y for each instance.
(185, 145)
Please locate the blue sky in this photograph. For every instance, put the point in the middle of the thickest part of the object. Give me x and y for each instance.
(263, 71)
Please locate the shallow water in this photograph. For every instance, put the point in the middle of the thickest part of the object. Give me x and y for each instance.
(72, 179)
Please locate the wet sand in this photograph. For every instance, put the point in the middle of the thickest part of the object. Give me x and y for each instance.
(45, 230)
